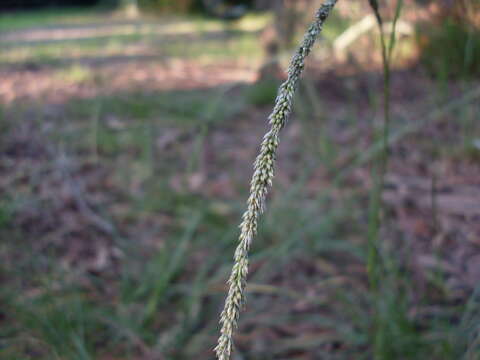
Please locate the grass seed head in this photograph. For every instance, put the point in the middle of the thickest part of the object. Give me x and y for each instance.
(261, 180)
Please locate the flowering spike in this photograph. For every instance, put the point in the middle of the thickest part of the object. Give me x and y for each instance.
(261, 180)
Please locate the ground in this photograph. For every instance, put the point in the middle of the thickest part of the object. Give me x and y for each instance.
(126, 153)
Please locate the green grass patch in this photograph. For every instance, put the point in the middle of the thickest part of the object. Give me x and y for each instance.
(177, 108)
(452, 49)
(235, 45)
(48, 17)
(262, 92)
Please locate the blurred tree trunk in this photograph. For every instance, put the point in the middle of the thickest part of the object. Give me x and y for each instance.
(130, 8)
(290, 17)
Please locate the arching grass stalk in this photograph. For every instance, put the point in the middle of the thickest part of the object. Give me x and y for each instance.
(383, 323)
(261, 181)
(379, 177)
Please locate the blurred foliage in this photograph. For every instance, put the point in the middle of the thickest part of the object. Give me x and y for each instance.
(460, 11)
(26, 4)
(463, 44)
(182, 6)
(222, 8)
(450, 42)
(217, 7)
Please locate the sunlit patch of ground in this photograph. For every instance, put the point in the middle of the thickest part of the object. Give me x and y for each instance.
(160, 27)
(59, 86)
(82, 60)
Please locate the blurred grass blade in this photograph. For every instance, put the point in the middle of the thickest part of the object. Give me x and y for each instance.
(169, 266)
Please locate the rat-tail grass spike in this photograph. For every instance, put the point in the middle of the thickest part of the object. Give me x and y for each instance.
(261, 181)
